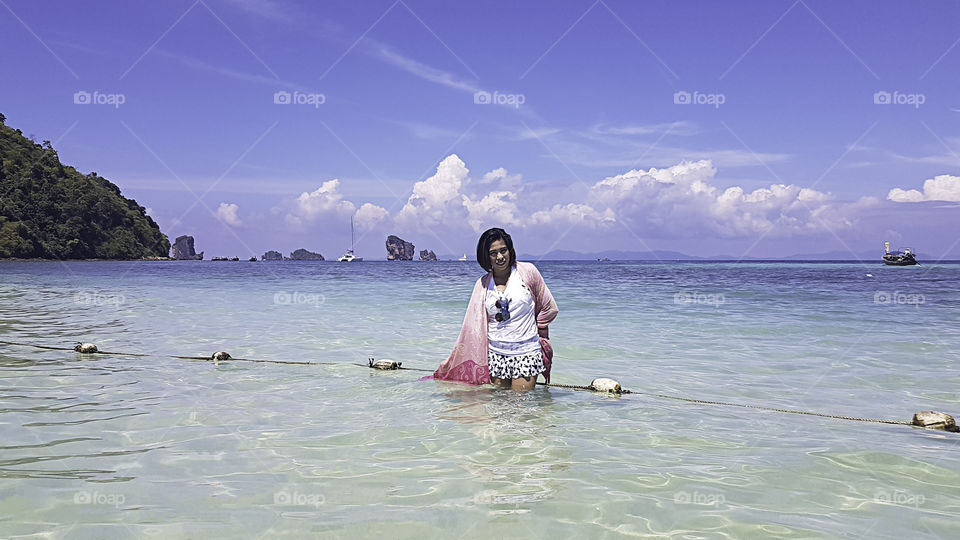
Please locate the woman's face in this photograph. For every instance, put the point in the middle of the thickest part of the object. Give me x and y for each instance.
(499, 256)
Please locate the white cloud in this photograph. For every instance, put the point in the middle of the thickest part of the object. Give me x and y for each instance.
(200, 65)
(527, 133)
(424, 71)
(369, 215)
(427, 131)
(905, 195)
(677, 201)
(502, 179)
(440, 201)
(227, 213)
(496, 209)
(429, 73)
(572, 214)
(680, 200)
(437, 200)
(324, 201)
(944, 187)
(682, 127)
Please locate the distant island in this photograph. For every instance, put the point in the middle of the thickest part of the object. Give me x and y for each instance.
(298, 255)
(399, 249)
(51, 211)
(304, 255)
(183, 250)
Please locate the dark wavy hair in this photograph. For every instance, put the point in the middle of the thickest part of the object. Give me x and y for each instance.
(483, 246)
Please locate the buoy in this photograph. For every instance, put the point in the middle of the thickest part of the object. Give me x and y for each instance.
(384, 364)
(869, 275)
(935, 420)
(606, 385)
(219, 356)
(85, 348)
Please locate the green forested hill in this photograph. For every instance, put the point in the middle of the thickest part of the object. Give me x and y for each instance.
(50, 210)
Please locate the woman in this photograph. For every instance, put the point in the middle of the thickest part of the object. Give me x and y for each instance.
(504, 338)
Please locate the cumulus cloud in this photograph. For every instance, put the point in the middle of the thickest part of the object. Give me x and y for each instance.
(437, 200)
(502, 179)
(680, 200)
(572, 214)
(496, 209)
(369, 215)
(325, 201)
(944, 187)
(227, 213)
(441, 200)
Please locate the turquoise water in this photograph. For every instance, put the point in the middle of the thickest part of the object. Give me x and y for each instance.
(124, 446)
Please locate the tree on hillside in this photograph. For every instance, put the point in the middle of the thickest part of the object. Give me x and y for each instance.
(51, 210)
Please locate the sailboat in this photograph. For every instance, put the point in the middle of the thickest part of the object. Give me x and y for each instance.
(461, 259)
(349, 256)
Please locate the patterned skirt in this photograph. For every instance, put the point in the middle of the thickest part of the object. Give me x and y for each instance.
(515, 367)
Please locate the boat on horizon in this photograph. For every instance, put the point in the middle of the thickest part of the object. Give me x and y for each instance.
(349, 256)
(464, 258)
(898, 258)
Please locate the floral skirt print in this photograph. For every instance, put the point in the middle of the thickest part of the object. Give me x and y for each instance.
(514, 367)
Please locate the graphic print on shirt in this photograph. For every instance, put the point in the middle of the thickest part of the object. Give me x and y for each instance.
(517, 333)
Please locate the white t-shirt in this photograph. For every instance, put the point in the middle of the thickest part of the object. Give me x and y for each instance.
(518, 334)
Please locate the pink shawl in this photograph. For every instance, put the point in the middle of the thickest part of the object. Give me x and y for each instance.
(468, 361)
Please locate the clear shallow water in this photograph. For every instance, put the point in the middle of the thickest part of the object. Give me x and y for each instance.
(131, 447)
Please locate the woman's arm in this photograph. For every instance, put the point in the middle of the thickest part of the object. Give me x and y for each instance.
(544, 304)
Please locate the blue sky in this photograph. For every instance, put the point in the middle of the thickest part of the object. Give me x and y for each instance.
(745, 129)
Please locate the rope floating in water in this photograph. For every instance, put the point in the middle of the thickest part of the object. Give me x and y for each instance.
(924, 419)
